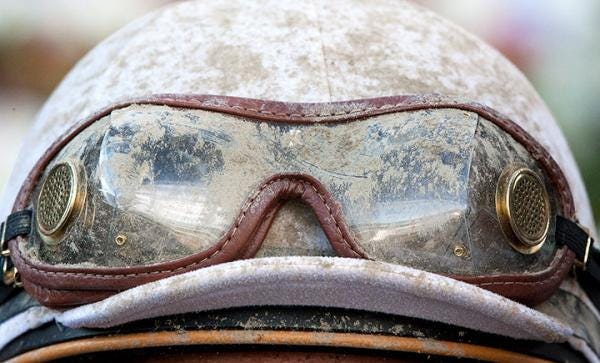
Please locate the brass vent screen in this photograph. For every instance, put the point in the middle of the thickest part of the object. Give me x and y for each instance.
(58, 199)
(528, 201)
(523, 208)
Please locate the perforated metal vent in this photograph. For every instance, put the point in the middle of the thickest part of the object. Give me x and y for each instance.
(528, 201)
(59, 198)
(523, 208)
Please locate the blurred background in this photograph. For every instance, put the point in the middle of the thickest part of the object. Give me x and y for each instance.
(556, 43)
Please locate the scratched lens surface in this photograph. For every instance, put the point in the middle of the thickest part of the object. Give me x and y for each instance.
(411, 185)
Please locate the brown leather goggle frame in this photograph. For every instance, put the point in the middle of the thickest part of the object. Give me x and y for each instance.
(63, 287)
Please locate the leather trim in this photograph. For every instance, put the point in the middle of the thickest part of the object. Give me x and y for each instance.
(63, 299)
(232, 246)
(529, 289)
(245, 237)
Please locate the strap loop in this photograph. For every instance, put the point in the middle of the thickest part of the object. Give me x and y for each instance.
(17, 224)
(3, 242)
(583, 263)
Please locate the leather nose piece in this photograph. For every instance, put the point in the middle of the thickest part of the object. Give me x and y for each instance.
(281, 189)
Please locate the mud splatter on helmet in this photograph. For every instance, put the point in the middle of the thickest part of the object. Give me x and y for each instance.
(326, 179)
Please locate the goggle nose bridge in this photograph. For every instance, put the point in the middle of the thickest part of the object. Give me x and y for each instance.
(258, 214)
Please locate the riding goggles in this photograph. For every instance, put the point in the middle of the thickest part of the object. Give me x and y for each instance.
(156, 187)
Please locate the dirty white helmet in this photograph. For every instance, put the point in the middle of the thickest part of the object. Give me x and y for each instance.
(340, 175)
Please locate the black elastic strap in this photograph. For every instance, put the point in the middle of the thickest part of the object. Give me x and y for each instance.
(18, 224)
(6, 292)
(579, 241)
(591, 288)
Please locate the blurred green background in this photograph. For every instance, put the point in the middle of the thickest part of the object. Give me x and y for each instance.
(556, 43)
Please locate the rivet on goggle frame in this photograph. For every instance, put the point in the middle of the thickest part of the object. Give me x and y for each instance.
(61, 197)
(121, 239)
(523, 208)
(459, 250)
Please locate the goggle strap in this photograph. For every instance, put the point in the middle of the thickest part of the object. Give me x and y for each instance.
(17, 224)
(580, 241)
(590, 278)
(577, 238)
